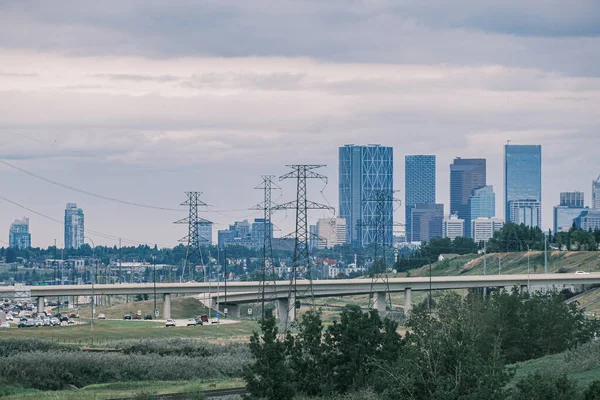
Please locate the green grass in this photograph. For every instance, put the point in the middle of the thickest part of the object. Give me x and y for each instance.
(125, 389)
(105, 330)
(181, 307)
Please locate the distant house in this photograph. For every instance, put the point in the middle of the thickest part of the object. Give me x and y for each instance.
(443, 257)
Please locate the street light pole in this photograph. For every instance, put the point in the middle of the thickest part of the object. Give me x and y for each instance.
(93, 280)
(528, 285)
(154, 279)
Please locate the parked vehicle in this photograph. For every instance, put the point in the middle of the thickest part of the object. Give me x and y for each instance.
(204, 318)
(199, 321)
(73, 315)
(30, 323)
(46, 321)
(71, 321)
(581, 273)
(54, 321)
(4, 325)
(9, 317)
(39, 322)
(148, 316)
(101, 316)
(127, 316)
(137, 316)
(214, 321)
(170, 322)
(64, 318)
(191, 322)
(22, 323)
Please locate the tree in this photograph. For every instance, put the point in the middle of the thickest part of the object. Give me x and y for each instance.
(538, 386)
(270, 376)
(592, 392)
(11, 255)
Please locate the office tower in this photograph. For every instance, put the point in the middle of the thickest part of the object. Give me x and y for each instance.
(313, 236)
(258, 232)
(419, 184)
(596, 194)
(571, 199)
(483, 229)
(205, 233)
(522, 178)
(588, 220)
(332, 232)
(427, 221)
(74, 226)
(366, 173)
(19, 236)
(528, 212)
(225, 237)
(242, 229)
(466, 175)
(482, 204)
(453, 227)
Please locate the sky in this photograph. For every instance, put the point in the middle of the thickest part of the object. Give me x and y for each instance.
(145, 100)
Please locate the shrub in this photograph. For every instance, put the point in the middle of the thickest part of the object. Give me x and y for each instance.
(9, 347)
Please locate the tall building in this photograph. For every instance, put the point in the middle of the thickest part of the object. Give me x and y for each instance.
(313, 237)
(19, 236)
(522, 178)
(225, 237)
(571, 199)
(205, 233)
(331, 232)
(427, 221)
(258, 231)
(453, 227)
(528, 212)
(564, 217)
(588, 220)
(365, 173)
(466, 175)
(419, 184)
(74, 226)
(596, 194)
(483, 229)
(482, 204)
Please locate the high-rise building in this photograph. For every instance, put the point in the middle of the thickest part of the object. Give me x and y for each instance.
(466, 175)
(596, 194)
(453, 227)
(225, 237)
(427, 221)
(483, 229)
(258, 231)
(588, 220)
(313, 236)
(205, 233)
(522, 178)
(565, 216)
(419, 184)
(74, 226)
(571, 199)
(528, 212)
(482, 204)
(331, 231)
(366, 173)
(19, 236)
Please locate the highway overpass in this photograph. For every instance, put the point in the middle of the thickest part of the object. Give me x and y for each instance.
(247, 292)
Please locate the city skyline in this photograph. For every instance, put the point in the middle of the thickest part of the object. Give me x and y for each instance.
(100, 100)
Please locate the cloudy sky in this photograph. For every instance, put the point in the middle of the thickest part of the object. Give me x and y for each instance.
(144, 100)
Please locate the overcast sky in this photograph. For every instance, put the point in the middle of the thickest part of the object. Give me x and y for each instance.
(144, 100)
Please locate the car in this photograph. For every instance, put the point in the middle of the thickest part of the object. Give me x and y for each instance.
(46, 321)
(30, 323)
(9, 317)
(204, 318)
(73, 315)
(191, 322)
(101, 316)
(137, 316)
(22, 323)
(199, 321)
(5, 324)
(71, 321)
(54, 321)
(170, 322)
(64, 318)
(127, 316)
(214, 321)
(148, 316)
(39, 322)
(581, 273)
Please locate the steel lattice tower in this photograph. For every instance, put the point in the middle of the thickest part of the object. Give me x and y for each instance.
(193, 256)
(301, 255)
(268, 284)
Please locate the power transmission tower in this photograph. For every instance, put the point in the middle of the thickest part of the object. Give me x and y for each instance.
(301, 256)
(268, 284)
(193, 256)
(382, 224)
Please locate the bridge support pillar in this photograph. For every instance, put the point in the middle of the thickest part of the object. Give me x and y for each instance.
(379, 302)
(407, 302)
(40, 304)
(167, 306)
(286, 309)
(233, 310)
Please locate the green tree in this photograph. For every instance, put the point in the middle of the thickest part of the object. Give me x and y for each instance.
(270, 376)
(592, 392)
(538, 386)
(11, 255)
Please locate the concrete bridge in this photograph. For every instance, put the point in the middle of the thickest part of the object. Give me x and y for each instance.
(239, 293)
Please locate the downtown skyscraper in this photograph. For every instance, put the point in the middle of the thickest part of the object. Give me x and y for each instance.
(74, 226)
(366, 174)
(466, 175)
(523, 184)
(419, 185)
(596, 194)
(19, 236)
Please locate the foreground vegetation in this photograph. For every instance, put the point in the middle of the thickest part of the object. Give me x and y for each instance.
(463, 351)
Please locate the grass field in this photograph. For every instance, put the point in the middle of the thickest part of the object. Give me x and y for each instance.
(105, 331)
(128, 389)
(181, 307)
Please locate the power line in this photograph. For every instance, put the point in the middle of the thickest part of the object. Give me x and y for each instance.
(88, 193)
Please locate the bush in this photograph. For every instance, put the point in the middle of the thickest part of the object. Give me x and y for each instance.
(9, 347)
(538, 386)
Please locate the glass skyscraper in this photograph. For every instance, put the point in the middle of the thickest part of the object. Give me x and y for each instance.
(522, 180)
(482, 203)
(74, 227)
(466, 175)
(366, 173)
(419, 185)
(596, 194)
(19, 236)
